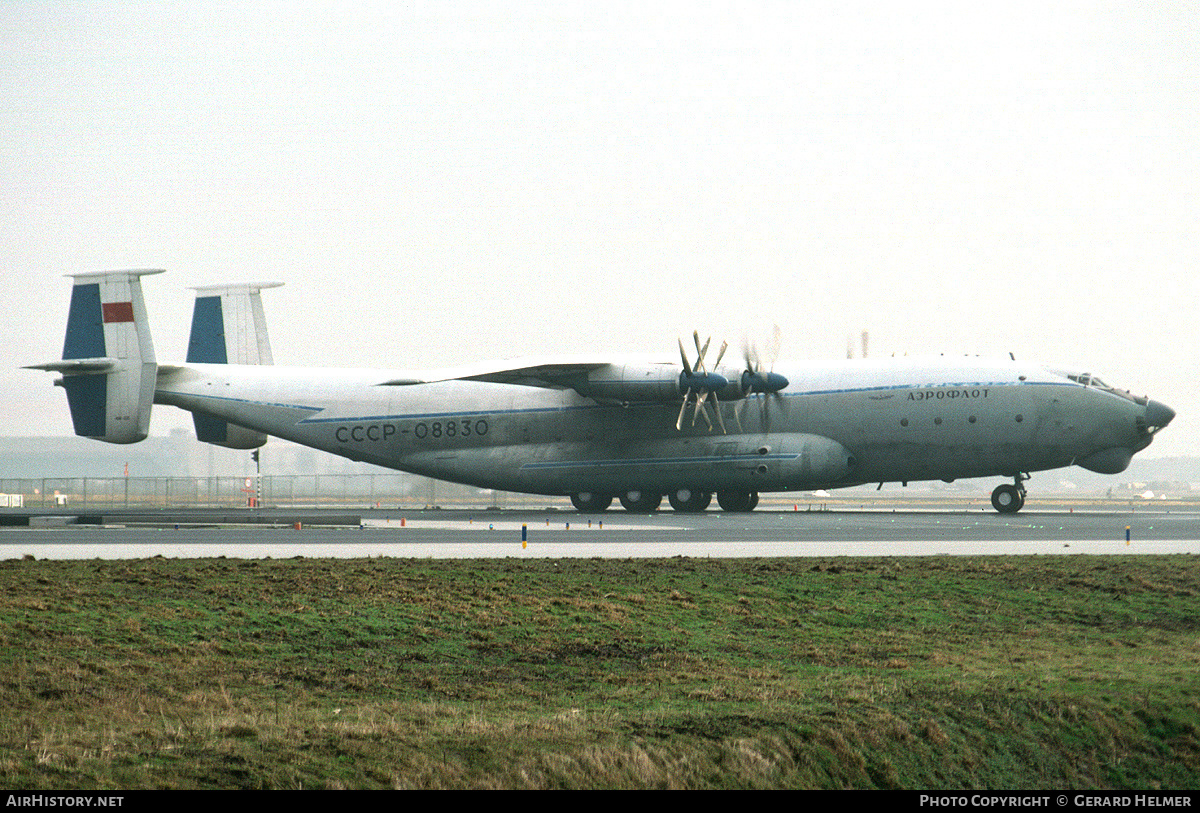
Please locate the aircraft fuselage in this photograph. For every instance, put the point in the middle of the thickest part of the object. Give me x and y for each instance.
(600, 427)
(835, 424)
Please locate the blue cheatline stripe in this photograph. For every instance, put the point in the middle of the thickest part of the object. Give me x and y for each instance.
(85, 324)
(87, 395)
(207, 342)
(658, 461)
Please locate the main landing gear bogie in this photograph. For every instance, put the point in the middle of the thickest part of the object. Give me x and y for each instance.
(588, 501)
(689, 500)
(683, 500)
(640, 502)
(737, 500)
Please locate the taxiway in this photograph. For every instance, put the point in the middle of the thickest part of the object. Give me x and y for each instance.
(489, 534)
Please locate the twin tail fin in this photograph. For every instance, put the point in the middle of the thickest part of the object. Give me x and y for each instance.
(229, 327)
(108, 363)
(108, 366)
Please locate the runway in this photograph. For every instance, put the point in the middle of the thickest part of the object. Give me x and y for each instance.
(615, 534)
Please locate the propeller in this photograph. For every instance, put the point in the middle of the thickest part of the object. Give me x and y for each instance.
(758, 383)
(696, 378)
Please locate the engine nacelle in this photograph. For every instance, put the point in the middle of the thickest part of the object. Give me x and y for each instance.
(651, 382)
(631, 383)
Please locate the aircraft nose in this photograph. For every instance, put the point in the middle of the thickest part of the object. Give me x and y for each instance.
(1158, 414)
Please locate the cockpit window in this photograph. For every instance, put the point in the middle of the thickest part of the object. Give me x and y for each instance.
(1089, 380)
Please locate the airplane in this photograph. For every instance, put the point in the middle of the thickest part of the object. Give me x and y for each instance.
(599, 428)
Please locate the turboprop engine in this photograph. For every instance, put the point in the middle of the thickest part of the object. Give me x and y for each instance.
(659, 382)
(641, 383)
(695, 383)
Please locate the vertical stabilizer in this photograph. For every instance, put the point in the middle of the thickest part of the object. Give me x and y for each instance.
(229, 327)
(108, 362)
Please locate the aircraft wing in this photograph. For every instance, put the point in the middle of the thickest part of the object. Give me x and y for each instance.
(555, 372)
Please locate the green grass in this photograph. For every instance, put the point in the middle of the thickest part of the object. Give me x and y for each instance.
(940, 672)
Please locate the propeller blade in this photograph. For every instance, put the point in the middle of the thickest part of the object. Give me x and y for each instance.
(717, 410)
(687, 368)
(700, 351)
(759, 381)
(682, 409)
(776, 343)
(696, 379)
(701, 397)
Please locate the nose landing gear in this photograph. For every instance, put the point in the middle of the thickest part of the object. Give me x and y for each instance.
(1009, 499)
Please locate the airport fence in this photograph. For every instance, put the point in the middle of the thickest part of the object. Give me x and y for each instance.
(71, 495)
(283, 491)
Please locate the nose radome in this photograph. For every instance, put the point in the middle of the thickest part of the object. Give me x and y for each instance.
(1158, 414)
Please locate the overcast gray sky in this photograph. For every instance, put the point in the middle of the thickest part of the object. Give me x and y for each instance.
(445, 182)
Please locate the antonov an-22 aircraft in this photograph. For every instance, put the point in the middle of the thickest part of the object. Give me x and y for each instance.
(599, 428)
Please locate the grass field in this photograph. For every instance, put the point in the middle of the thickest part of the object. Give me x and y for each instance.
(940, 672)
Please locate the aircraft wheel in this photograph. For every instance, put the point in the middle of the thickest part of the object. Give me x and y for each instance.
(641, 502)
(590, 501)
(1008, 499)
(737, 500)
(688, 500)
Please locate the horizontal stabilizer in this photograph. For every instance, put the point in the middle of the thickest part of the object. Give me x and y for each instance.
(78, 366)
